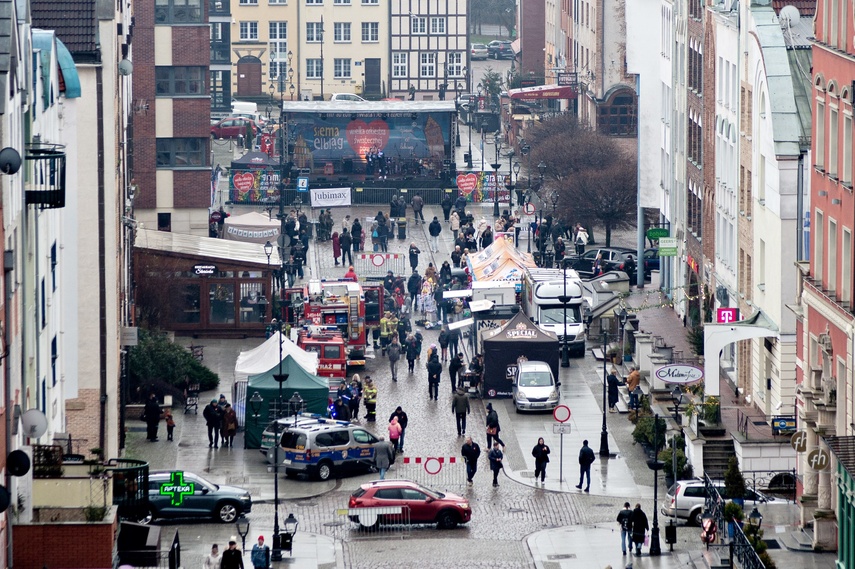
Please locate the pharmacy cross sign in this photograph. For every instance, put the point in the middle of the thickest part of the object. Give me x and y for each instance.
(177, 489)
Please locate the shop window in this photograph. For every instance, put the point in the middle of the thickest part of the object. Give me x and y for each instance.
(186, 303)
(253, 302)
(617, 116)
(222, 303)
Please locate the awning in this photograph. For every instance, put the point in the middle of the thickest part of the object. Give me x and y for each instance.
(543, 92)
(516, 46)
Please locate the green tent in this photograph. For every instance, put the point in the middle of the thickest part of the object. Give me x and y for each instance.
(313, 389)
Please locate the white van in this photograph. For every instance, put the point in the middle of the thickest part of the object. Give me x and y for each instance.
(542, 291)
(244, 107)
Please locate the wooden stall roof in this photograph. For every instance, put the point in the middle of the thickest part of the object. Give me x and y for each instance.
(222, 250)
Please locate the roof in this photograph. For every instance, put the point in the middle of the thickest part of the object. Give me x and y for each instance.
(806, 7)
(843, 449)
(75, 24)
(204, 247)
(69, 80)
(520, 329)
(390, 107)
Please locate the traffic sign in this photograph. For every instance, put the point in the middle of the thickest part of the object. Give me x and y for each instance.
(560, 429)
(528, 208)
(561, 413)
(302, 184)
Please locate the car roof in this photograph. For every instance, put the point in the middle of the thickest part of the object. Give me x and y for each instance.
(400, 483)
(534, 365)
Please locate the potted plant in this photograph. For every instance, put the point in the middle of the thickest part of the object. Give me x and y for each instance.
(734, 482)
(734, 515)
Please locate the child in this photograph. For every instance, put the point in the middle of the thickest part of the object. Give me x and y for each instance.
(170, 424)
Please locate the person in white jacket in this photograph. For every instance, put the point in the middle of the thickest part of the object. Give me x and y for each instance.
(213, 560)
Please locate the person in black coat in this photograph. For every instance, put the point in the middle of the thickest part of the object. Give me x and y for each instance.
(414, 256)
(586, 459)
(613, 384)
(470, 451)
(356, 234)
(412, 353)
(232, 557)
(151, 414)
(346, 242)
(414, 286)
(540, 452)
(434, 369)
(403, 420)
(446, 206)
(212, 416)
(454, 367)
(639, 527)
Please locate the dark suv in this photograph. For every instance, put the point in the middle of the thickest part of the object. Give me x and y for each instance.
(613, 259)
(177, 494)
(500, 49)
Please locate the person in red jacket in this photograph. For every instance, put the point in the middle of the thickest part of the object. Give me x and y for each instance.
(350, 275)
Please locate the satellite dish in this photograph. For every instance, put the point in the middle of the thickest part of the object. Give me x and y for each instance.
(35, 423)
(10, 160)
(789, 16)
(5, 499)
(126, 67)
(18, 462)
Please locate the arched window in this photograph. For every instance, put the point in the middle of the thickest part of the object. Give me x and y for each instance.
(618, 115)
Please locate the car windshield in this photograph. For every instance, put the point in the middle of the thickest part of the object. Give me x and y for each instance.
(555, 315)
(432, 493)
(536, 379)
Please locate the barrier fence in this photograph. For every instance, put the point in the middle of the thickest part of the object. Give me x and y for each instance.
(432, 471)
(376, 265)
(371, 523)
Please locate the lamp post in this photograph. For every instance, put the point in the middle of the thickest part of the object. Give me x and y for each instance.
(677, 398)
(604, 435)
(564, 299)
(255, 404)
(291, 524)
(655, 465)
(242, 525)
(280, 379)
(516, 170)
(291, 74)
(496, 165)
(296, 403)
(510, 155)
(509, 185)
(268, 250)
(541, 168)
(623, 317)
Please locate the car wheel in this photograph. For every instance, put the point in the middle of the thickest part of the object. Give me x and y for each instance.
(227, 512)
(147, 516)
(325, 470)
(446, 520)
(696, 518)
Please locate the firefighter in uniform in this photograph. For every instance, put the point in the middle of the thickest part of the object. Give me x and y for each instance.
(369, 395)
(385, 331)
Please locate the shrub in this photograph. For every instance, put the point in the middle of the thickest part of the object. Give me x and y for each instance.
(158, 365)
(644, 433)
(734, 482)
(732, 511)
(695, 336)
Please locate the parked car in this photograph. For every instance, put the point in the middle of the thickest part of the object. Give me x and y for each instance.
(232, 127)
(177, 494)
(346, 97)
(613, 259)
(500, 49)
(651, 260)
(423, 505)
(324, 448)
(685, 500)
(535, 388)
(478, 51)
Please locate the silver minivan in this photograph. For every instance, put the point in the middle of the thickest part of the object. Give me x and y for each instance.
(535, 388)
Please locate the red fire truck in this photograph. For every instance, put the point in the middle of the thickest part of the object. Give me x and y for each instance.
(351, 308)
(326, 341)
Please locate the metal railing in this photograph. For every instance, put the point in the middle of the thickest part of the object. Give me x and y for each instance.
(713, 504)
(743, 551)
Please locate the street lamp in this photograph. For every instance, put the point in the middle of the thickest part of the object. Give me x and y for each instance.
(280, 379)
(291, 524)
(677, 398)
(296, 403)
(268, 250)
(516, 170)
(604, 435)
(564, 299)
(496, 165)
(242, 525)
(655, 465)
(755, 518)
(623, 317)
(511, 154)
(255, 404)
(542, 169)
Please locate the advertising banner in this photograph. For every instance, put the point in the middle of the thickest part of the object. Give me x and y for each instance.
(331, 197)
(252, 185)
(480, 187)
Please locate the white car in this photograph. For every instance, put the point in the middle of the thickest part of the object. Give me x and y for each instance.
(535, 388)
(349, 97)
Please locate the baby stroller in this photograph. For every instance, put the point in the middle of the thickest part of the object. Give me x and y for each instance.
(191, 400)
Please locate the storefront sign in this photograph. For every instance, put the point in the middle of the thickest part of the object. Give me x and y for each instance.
(656, 233)
(521, 331)
(667, 246)
(679, 373)
(691, 261)
(726, 315)
(568, 79)
(177, 489)
(204, 269)
(332, 197)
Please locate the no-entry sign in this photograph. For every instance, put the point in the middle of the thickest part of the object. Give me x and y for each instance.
(561, 413)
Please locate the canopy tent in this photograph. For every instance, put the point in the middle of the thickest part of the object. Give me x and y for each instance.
(313, 389)
(264, 357)
(253, 226)
(501, 261)
(501, 349)
(255, 160)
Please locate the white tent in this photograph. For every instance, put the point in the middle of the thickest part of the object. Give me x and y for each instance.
(263, 358)
(253, 226)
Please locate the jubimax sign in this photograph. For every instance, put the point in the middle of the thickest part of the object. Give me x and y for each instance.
(679, 373)
(330, 197)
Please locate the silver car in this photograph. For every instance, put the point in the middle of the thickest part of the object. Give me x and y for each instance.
(535, 388)
(478, 51)
(685, 500)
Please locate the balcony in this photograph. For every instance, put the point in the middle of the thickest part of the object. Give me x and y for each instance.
(45, 181)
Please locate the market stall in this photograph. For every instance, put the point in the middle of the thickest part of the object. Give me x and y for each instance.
(504, 346)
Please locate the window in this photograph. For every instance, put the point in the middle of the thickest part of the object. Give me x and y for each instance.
(455, 64)
(177, 11)
(388, 494)
(412, 495)
(363, 437)
(341, 31)
(437, 25)
(314, 68)
(332, 352)
(278, 36)
(428, 65)
(761, 265)
(181, 152)
(371, 2)
(220, 89)
(341, 2)
(314, 32)
(846, 267)
(278, 2)
(832, 254)
(761, 180)
(314, 1)
(820, 135)
(832, 142)
(617, 116)
(819, 246)
(249, 2)
(399, 64)
(164, 221)
(179, 81)
(53, 263)
(370, 32)
(846, 176)
(54, 355)
(341, 68)
(419, 25)
(248, 31)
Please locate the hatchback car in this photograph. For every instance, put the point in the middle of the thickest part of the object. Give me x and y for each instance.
(535, 388)
(419, 505)
(651, 259)
(685, 500)
(478, 51)
(232, 127)
(346, 97)
(500, 49)
(177, 494)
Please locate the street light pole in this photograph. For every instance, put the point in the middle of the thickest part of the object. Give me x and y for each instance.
(280, 379)
(655, 465)
(496, 165)
(564, 299)
(511, 154)
(604, 435)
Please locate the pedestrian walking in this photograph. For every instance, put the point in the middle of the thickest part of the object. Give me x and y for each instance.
(412, 353)
(470, 451)
(493, 427)
(639, 528)
(446, 206)
(393, 351)
(624, 519)
(434, 369)
(454, 367)
(394, 432)
(454, 337)
(170, 424)
(151, 416)
(586, 458)
(403, 421)
(434, 229)
(581, 239)
(460, 407)
(443, 346)
(631, 383)
(384, 456)
(369, 393)
(496, 456)
(356, 235)
(454, 223)
(336, 247)
(414, 256)
(346, 243)
(260, 555)
(418, 204)
(212, 421)
(232, 557)
(355, 397)
(540, 452)
(213, 559)
(613, 384)
(228, 429)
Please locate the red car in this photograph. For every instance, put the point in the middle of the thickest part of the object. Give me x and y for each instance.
(419, 505)
(232, 127)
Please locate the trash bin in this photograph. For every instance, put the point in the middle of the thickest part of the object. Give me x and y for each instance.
(548, 259)
(402, 228)
(671, 533)
(310, 228)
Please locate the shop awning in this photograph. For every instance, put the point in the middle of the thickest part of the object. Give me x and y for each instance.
(204, 247)
(516, 46)
(543, 92)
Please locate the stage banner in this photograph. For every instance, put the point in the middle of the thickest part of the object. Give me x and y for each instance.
(330, 197)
